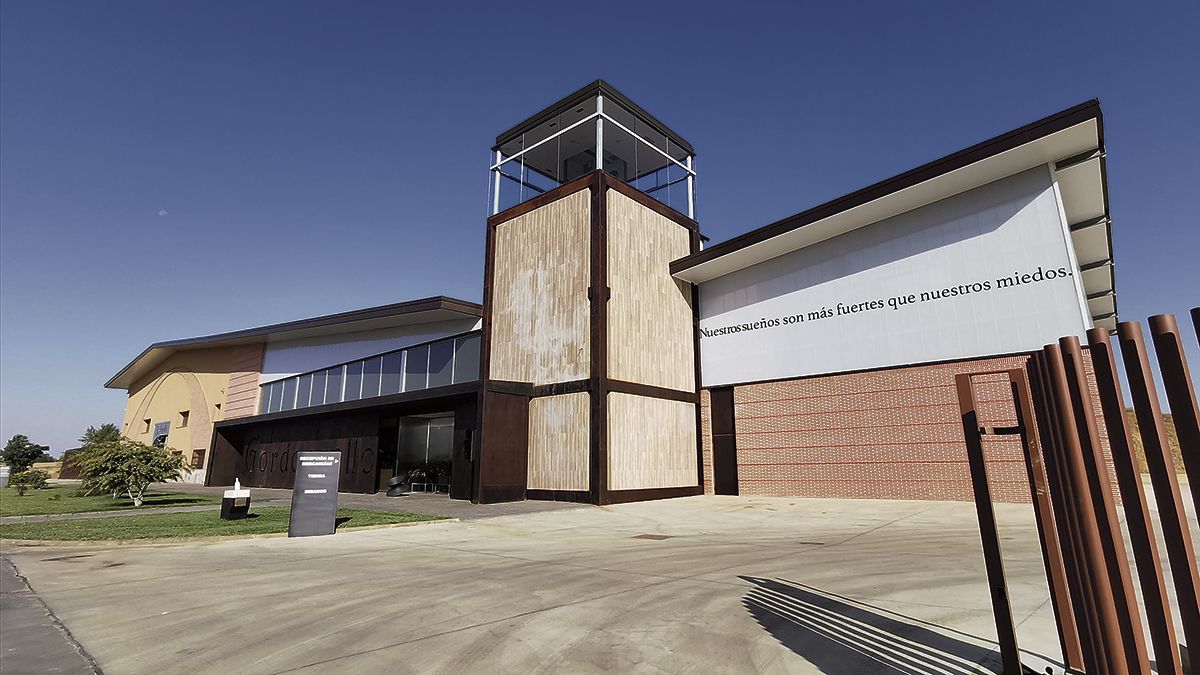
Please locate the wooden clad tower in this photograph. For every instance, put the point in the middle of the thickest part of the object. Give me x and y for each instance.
(589, 350)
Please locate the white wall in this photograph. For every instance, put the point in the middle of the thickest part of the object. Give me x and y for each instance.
(292, 357)
(749, 330)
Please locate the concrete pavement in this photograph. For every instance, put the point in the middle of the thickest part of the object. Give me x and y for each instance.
(702, 584)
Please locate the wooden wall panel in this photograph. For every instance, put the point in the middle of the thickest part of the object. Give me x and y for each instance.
(241, 395)
(650, 338)
(651, 442)
(558, 442)
(540, 318)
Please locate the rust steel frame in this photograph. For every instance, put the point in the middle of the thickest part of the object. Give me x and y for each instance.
(974, 431)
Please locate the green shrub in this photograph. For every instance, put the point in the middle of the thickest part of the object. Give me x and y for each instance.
(34, 479)
(127, 466)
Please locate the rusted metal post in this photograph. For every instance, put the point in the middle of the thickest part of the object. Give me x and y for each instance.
(993, 559)
(1133, 500)
(1180, 394)
(1083, 600)
(1052, 553)
(1112, 642)
(1100, 489)
(1177, 537)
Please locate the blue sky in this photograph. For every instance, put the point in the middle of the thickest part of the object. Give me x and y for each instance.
(171, 169)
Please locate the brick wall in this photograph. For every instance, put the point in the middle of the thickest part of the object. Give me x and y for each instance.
(706, 445)
(886, 434)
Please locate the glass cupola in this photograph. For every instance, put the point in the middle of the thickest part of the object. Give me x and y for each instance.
(562, 142)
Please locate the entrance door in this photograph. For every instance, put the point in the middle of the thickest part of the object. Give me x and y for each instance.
(462, 471)
(725, 469)
(461, 466)
(389, 443)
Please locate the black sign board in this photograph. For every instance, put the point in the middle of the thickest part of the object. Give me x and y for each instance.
(314, 493)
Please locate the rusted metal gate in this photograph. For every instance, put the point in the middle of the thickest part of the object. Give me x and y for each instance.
(1100, 626)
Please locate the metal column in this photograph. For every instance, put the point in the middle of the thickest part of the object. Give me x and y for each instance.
(1137, 515)
(1178, 383)
(993, 559)
(1110, 638)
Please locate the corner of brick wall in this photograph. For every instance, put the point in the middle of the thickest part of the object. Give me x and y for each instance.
(706, 445)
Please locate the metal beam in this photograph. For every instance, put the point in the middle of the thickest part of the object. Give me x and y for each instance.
(1107, 262)
(1090, 222)
(1075, 160)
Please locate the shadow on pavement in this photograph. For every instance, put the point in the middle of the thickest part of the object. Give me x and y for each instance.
(840, 635)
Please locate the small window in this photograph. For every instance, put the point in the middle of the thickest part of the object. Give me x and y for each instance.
(161, 430)
(145, 426)
(198, 458)
(183, 418)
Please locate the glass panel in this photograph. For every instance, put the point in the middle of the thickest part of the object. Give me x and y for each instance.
(441, 439)
(354, 372)
(371, 371)
(333, 385)
(393, 369)
(304, 392)
(264, 399)
(414, 443)
(466, 359)
(415, 365)
(578, 151)
(276, 395)
(289, 394)
(318, 389)
(622, 155)
(441, 360)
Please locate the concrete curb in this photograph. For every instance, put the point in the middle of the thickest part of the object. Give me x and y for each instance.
(175, 541)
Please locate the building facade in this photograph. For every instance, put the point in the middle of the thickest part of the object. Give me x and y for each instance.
(616, 358)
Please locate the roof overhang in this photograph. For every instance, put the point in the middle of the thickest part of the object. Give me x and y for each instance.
(414, 312)
(588, 91)
(1072, 141)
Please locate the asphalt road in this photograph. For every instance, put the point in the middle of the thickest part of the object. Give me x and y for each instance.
(31, 638)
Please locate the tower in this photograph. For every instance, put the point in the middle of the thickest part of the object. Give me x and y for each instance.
(590, 375)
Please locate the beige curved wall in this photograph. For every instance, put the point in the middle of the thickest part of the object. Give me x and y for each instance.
(194, 382)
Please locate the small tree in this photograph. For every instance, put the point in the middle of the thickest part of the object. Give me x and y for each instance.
(20, 453)
(105, 433)
(127, 466)
(33, 479)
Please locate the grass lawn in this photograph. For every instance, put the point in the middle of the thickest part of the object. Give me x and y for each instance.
(62, 499)
(190, 524)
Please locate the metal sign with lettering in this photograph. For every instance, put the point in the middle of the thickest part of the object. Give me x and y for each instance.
(314, 493)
